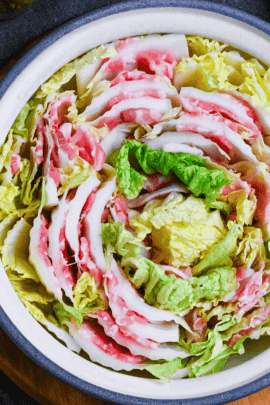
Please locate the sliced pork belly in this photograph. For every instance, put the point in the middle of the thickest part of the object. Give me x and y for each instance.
(262, 117)
(38, 256)
(92, 222)
(151, 349)
(120, 333)
(51, 190)
(145, 198)
(62, 141)
(142, 110)
(137, 304)
(40, 137)
(115, 138)
(89, 149)
(261, 145)
(102, 349)
(179, 140)
(152, 54)
(175, 43)
(166, 126)
(216, 129)
(128, 76)
(156, 181)
(118, 208)
(75, 208)
(57, 109)
(251, 331)
(49, 144)
(180, 148)
(49, 171)
(87, 262)
(132, 322)
(41, 153)
(198, 325)
(55, 117)
(129, 89)
(249, 293)
(171, 125)
(259, 179)
(79, 208)
(262, 318)
(15, 164)
(260, 182)
(56, 250)
(236, 185)
(13, 167)
(200, 102)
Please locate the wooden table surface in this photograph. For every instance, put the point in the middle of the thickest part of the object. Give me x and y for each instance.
(28, 376)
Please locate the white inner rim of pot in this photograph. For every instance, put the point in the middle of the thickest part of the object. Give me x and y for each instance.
(159, 20)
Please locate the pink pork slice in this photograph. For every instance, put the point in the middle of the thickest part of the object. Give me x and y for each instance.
(198, 101)
(50, 171)
(217, 128)
(156, 181)
(218, 144)
(198, 324)
(136, 304)
(152, 54)
(86, 261)
(38, 256)
(150, 86)
(92, 222)
(118, 208)
(60, 129)
(39, 135)
(259, 180)
(199, 144)
(132, 323)
(102, 349)
(116, 137)
(55, 174)
(79, 206)
(83, 253)
(142, 110)
(127, 76)
(15, 163)
(89, 149)
(249, 292)
(119, 333)
(236, 185)
(145, 198)
(255, 322)
(262, 192)
(154, 350)
(57, 246)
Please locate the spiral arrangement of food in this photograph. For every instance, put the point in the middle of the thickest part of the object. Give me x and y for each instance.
(135, 204)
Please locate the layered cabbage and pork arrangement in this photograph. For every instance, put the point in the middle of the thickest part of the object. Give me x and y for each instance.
(135, 204)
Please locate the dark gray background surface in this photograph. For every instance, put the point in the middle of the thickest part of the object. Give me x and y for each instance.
(20, 28)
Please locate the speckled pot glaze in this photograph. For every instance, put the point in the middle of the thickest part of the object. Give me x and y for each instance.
(245, 375)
